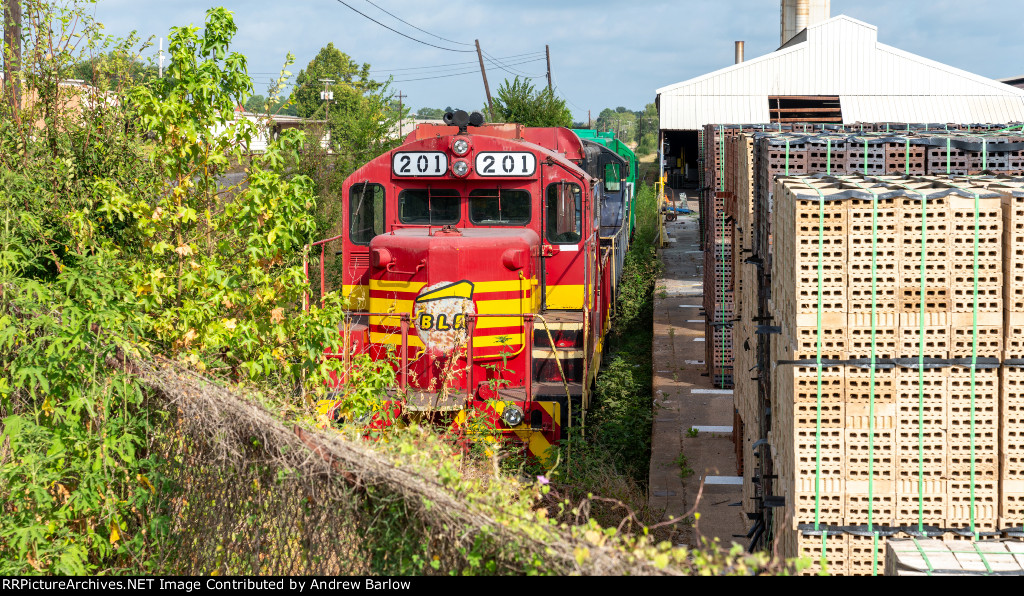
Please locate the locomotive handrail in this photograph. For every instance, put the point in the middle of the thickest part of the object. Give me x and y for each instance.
(305, 267)
(391, 268)
(471, 320)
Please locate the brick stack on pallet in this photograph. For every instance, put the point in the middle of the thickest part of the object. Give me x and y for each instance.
(914, 439)
(717, 235)
(722, 149)
(902, 456)
(744, 329)
(1011, 405)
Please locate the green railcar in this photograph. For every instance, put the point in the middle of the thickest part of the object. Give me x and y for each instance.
(608, 140)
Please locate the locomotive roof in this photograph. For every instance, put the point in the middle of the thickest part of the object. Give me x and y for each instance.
(559, 145)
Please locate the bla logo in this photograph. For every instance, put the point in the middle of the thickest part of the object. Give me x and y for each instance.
(440, 314)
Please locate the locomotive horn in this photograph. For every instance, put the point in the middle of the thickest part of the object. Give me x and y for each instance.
(457, 118)
(476, 119)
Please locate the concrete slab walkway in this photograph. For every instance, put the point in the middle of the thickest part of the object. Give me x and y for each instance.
(692, 420)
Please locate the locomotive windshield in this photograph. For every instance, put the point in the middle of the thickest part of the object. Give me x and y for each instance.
(612, 177)
(429, 206)
(499, 207)
(366, 212)
(563, 213)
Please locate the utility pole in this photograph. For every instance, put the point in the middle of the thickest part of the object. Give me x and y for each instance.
(326, 96)
(547, 52)
(483, 71)
(590, 121)
(12, 52)
(161, 57)
(401, 109)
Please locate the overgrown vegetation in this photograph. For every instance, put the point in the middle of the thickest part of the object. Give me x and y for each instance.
(157, 366)
(613, 459)
(113, 244)
(521, 102)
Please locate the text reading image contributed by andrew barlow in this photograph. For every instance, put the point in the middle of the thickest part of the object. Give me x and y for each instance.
(300, 584)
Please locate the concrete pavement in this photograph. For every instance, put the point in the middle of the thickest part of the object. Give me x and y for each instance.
(692, 420)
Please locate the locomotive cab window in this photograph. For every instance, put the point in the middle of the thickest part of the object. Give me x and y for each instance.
(365, 212)
(563, 213)
(429, 206)
(499, 207)
(612, 177)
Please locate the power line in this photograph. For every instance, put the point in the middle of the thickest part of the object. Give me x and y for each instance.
(565, 97)
(442, 74)
(399, 32)
(453, 64)
(502, 66)
(454, 74)
(417, 28)
(454, 68)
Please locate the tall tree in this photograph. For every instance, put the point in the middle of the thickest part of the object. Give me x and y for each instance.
(519, 101)
(360, 118)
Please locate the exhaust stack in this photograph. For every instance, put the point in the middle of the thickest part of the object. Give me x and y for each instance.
(798, 15)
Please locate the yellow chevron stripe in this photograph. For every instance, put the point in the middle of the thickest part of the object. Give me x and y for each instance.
(484, 307)
(490, 341)
(358, 296)
(535, 440)
(513, 285)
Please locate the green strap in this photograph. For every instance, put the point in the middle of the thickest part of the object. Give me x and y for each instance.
(874, 555)
(981, 554)
(984, 155)
(828, 162)
(974, 339)
(817, 472)
(721, 158)
(871, 370)
(721, 258)
(920, 361)
(949, 142)
(924, 556)
(1014, 127)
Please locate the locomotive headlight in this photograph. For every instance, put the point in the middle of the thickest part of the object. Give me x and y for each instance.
(512, 415)
(460, 168)
(460, 147)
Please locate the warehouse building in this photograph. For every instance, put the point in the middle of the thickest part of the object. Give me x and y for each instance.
(832, 71)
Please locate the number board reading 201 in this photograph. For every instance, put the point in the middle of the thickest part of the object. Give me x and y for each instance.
(419, 163)
(506, 163)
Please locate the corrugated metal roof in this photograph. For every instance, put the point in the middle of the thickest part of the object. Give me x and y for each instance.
(841, 56)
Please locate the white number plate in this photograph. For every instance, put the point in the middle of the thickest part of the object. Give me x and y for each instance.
(506, 163)
(419, 163)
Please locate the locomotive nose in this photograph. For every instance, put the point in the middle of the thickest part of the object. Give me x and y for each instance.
(451, 282)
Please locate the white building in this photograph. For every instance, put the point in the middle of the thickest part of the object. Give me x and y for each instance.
(272, 126)
(831, 71)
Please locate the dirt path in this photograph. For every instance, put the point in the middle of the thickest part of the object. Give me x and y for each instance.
(692, 420)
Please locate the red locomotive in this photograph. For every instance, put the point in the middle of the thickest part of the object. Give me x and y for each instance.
(477, 258)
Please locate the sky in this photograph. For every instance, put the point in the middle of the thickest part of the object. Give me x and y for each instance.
(603, 53)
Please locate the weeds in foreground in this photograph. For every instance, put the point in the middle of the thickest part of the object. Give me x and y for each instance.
(685, 471)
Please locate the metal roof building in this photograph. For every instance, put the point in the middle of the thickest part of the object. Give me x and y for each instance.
(838, 61)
